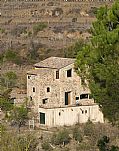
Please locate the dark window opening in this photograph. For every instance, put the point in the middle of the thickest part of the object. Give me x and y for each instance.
(44, 101)
(29, 77)
(84, 96)
(30, 98)
(48, 89)
(57, 74)
(90, 96)
(42, 118)
(85, 111)
(77, 98)
(82, 112)
(67, 98)
(59, 113)
(69, 73)
(33, 89)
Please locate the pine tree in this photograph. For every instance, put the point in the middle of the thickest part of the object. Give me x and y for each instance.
(98, 61)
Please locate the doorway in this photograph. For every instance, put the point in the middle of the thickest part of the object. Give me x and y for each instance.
(67, 98)
(42, 118)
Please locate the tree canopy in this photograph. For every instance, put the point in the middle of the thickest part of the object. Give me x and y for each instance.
(103, 145)
(19, 115)
(98, 61)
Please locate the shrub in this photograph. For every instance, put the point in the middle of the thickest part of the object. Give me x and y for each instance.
(5, 104)
(61, 138)
(39, 27)
(10, 79)
(2, 30)
(11, 56)
(103, 144)
(77, 135)
(46, 146)
(89, 129)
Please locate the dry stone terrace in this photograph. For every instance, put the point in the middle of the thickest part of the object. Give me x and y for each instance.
(66, 20)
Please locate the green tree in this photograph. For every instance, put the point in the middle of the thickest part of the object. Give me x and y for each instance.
(10, 79)
(6, 104)
(62, 137)
(9, 140)
(19, 116)
(11, 56)
(72, 50)
(98, 61)
(103, 144)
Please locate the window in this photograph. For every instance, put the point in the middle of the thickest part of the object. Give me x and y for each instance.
(67, 98)
(77, 98)
(59, 113)
(84, 96)
(33, 89)
(29, 77)
(85, 111)
(30, 98)
(42, 118)
(82, 111)
(48, 89)
(69, 73)
(57, 74)
(44, 101)
(77, 101)
(90, 96)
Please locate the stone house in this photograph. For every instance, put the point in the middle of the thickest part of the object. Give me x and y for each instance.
(58, 96)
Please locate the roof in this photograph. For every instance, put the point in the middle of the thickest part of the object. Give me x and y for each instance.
(55, 62)
(42, 72)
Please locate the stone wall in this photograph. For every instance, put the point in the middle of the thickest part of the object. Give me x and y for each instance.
(46, 78)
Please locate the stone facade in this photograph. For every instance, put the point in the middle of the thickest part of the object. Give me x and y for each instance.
(54, 85)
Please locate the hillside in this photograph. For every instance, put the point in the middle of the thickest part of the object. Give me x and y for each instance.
(49, 25)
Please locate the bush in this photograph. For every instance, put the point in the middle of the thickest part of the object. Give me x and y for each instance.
(2, 30)
(77, 135)
(12, 56)
(46, 146)
(1, 57)
(11, 141)
(61, 138)
(5, 104)
(103, 144)
(10, 79)
(89, 129)
(39, 27)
